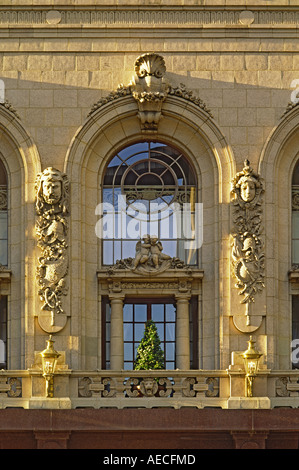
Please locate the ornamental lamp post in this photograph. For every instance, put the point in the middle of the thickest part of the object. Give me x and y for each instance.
(49, 361)
(251, 360)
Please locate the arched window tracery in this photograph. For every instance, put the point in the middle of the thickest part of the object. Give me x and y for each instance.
(150, 187)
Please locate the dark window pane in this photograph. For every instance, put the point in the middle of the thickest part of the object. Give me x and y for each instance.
(140, 312)
(3, 331)
(170, 312)
(3, 252)
(138, 331)
(170, 332)
(128, 332)
(3, 225)
(128, 312)
(107, 252)
(128, 351)
(157, 312)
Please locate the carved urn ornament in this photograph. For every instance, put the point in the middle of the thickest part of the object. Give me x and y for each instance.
(52, 200)
(149, 88)
(247, 247)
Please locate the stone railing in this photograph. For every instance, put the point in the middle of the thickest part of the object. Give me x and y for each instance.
(146, 389)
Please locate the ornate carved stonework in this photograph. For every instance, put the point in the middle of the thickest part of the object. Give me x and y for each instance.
(149, 258)
(52, 199)
(7, 105)
(149, 88)
(3, 198)
(247, 247)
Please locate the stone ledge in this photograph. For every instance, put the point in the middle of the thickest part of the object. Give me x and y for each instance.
(42, 403)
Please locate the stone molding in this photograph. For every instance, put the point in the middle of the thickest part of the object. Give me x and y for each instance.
(135, 16)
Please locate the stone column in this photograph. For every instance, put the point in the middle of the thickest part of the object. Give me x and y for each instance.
(182, 332)
(117, 333)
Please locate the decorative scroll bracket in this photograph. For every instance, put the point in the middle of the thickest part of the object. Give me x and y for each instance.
(52, 200)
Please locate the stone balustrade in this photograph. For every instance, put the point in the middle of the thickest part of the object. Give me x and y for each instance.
(148, 389)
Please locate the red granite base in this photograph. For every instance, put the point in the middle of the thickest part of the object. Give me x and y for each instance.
(149, 429)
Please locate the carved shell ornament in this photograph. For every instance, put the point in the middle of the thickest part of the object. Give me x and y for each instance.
(150, 64)
(150, 88)
(52, 200)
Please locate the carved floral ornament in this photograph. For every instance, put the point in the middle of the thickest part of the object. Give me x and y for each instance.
(52, 200)
(247, 247)
(150, 88)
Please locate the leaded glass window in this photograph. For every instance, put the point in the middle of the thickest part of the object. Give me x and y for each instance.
(151, 189)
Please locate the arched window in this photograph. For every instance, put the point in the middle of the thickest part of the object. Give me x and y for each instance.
(3, 215)
(150, 188)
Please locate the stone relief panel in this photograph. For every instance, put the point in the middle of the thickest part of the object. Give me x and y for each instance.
(247, 247)
(52, 201)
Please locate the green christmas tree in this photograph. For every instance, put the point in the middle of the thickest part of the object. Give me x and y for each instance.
(149, 352)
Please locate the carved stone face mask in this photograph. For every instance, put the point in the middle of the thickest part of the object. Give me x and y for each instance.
(247, 190)
(52, 190)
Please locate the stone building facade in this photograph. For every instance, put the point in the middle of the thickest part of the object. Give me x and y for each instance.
(188, 104)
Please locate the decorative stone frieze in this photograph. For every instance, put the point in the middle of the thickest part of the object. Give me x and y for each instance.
(52, 200)
(160, 15)
(247, 248)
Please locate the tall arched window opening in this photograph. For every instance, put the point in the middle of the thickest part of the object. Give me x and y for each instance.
(149, 193)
